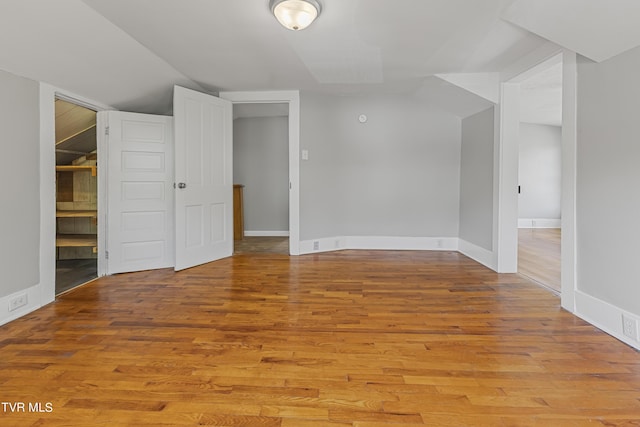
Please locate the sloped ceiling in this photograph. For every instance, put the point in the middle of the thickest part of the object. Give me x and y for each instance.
(597, 29)
(541, 97)
(129, 54)
(75, 132)
(71, 46)
(446, 96)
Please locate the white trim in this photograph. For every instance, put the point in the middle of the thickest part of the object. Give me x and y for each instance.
(403, 243)
(568, 243)
(103, 193)
(506, 164)
(291, 97)
(538, 61)
(48, 95)
(283, 233)
(539, 223)
(604, 316)
(477, 253)
(325, 244)
(390, 243)
(47, 195)
(33, 303)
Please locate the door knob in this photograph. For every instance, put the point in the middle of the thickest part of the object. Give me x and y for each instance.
(182, 185)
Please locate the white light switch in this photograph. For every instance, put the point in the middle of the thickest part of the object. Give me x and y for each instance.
(305, 154)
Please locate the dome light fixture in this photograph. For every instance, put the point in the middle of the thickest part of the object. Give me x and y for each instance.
(295, 14)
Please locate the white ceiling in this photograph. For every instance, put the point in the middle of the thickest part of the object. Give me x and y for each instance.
(129, 54)
(597, 29)
(541, 97)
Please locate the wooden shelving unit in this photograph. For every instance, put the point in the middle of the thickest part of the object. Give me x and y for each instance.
(77, 214)
(71, 168)
(77, 241)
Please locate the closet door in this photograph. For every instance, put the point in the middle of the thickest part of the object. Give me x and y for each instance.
(140, 194)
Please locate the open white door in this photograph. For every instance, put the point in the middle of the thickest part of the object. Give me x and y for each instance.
(139, 191)
(203, 176)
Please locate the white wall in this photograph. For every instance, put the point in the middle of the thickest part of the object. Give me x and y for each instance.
(476, 179)
(608, 179)
(539, 173)
(20, 190)
(398, 174)
(261, 164)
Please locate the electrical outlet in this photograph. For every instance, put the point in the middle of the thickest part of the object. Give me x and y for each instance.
(439, 243)
(316, 245)
(629, 327)
(17, 302)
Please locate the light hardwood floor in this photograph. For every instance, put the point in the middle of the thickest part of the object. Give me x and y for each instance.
(353, 338)
(539, 255)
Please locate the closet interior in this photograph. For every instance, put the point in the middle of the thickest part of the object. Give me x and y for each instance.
(76, 195)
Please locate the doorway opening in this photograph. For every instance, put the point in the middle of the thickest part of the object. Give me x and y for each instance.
(540, 176)
(76, 195)
(261, 178)
(292, 100)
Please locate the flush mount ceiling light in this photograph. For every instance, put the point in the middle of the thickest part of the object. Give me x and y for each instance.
(295, 14)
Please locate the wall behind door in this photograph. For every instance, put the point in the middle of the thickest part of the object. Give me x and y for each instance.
(261, 164)
(20, 177)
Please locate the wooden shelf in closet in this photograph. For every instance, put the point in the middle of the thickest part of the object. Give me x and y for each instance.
(71, 168)
(77, 241)
(77, 214)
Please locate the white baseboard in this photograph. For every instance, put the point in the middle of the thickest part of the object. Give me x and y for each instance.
(605, 316)
(32, 295)
(477, 253)
(379, 243)
(325, 244)
(539, 223)
(266, 233)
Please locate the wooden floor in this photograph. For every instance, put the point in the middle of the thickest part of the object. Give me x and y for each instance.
(262, 244)
(352, 338)
(539, 255)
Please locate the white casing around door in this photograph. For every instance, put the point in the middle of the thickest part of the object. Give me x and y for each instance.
(140, 216)
(204, 169)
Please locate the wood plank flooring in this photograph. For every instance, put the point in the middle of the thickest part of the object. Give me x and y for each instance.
(539, 255)
(352, 338)
(262, 244)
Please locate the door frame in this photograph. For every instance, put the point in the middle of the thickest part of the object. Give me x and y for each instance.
(506, 173)
(47, 265)
(292, 98)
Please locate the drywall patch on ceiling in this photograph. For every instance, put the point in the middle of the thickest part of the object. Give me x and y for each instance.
(486, 85)
(597, 29)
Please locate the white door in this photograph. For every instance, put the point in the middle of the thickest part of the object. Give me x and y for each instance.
(203, 176)
(140, 215)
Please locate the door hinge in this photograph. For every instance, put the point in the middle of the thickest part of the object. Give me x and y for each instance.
(106, 254)
(106, 130)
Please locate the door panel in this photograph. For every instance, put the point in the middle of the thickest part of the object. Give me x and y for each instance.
(203, 168)
(140, 227)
